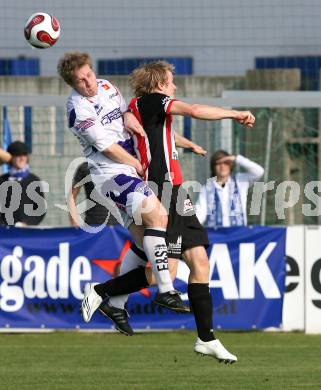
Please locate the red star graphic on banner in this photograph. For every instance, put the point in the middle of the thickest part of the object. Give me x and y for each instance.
(110, 265)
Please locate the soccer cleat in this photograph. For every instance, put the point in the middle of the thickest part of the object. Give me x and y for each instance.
(118, 316)
(91, 302)
(171, 300)
(216, 349)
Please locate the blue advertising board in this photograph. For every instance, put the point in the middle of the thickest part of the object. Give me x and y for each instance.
(43, 271)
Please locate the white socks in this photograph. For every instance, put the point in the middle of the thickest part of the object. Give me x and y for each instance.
(156, 250)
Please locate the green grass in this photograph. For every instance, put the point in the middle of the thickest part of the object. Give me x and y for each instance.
(157, 361)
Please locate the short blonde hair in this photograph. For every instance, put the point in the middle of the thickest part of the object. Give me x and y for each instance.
(145, 78)
(71, 61)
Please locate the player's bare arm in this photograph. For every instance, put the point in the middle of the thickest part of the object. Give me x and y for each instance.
(132, 125)
(185, 143)
(5, 157)
(73, 213)
(201, 111)
(117, 153)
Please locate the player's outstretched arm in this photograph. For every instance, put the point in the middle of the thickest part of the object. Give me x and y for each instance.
(117, 153)
(5, 157)
(185, 143)
(202, 111)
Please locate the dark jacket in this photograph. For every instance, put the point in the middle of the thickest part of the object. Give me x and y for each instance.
(14, 201)
(98, 214)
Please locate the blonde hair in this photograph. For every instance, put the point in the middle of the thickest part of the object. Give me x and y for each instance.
(71, 61)
(145, 78)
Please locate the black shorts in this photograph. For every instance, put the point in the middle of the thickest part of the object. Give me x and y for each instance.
(184, 230)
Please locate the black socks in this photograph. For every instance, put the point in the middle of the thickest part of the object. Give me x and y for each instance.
(201, 303)
(125, 284)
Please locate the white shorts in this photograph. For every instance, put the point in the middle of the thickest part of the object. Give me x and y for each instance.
(127, 193)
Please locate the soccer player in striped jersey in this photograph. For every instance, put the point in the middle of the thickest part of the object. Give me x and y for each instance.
(154, 106)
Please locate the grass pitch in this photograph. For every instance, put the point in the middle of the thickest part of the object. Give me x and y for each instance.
(157, 361)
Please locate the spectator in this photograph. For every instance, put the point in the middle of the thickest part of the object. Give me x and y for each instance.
(222, 201)
(95, 214)
(22, 199)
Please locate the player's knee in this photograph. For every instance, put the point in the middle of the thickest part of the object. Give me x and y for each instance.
(160, 217)
(205, 267)
(200, 269)
(155, 215)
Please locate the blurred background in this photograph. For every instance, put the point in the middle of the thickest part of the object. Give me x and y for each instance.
(215, 45)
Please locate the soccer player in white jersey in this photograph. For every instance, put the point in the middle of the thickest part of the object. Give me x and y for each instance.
(97, 117)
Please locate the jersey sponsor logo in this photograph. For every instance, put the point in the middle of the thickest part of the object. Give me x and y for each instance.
(175, 155)
(166, 100)
(105, 86)
(161, 257)
(84, 125)
(175, 247)
(188, 206)
(113, 95)
(111, 116)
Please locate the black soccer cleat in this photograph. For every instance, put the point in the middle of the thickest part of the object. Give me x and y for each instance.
(171, 300)
(118, 316)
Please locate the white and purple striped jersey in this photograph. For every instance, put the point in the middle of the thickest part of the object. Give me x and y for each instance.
(97, 122)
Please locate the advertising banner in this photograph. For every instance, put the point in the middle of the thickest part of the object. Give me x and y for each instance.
(43, 271)
(294, 297)
(312, 279)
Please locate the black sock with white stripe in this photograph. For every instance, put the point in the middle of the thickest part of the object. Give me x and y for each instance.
(156, 250)
(201, 303)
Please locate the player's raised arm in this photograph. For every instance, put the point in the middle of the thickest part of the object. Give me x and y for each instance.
(201, 111)
(5, 157)
(158, 78)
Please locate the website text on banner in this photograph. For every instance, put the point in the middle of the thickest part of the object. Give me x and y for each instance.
(41, 285)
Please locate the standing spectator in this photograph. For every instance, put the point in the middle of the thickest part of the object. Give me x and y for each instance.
(21, 198)
(222, 201)
(95, 213)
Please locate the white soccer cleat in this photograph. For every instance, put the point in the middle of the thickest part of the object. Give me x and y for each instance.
(216, 349)
(91, 301)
